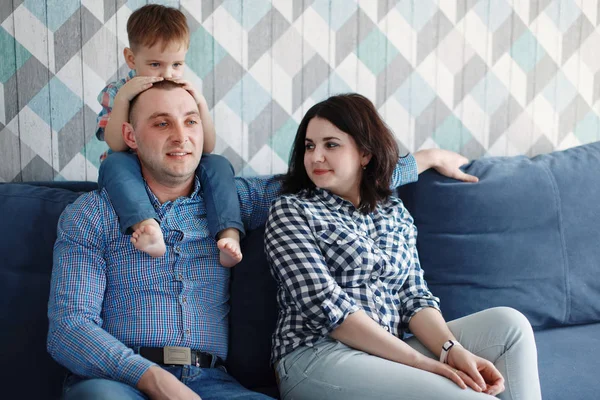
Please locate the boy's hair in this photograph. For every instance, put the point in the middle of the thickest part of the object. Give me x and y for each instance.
(161, 85)
(153, 23)
(355, 115)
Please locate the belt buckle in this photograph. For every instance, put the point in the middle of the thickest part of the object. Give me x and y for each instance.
(175, 355)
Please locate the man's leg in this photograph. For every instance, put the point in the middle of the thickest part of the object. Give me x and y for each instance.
(77, 388)
(216, 384)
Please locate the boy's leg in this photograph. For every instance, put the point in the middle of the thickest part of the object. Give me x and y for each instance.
(120, 175)
(331, 370)
(222, 206)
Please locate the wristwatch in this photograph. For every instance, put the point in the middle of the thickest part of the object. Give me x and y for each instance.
(446, 348)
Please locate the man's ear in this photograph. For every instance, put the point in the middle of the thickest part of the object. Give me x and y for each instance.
(129, 57)
(129, 135)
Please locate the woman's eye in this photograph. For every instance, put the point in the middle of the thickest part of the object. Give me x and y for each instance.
(331, 145)
(309, 146)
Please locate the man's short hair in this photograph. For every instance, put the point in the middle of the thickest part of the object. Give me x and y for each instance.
(161, 85)
(155, 23)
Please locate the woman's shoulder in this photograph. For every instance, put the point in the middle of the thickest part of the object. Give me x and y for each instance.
(301, 198)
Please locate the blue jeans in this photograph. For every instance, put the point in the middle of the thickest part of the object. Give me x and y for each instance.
(208, 383)
(120, 174)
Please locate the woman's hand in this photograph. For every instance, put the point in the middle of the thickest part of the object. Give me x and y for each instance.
(479, 373)
(445, 162)
(430, 365)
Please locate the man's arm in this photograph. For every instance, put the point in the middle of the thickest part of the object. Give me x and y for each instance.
(75, 337)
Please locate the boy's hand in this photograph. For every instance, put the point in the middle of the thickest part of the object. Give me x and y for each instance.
(200, 100)
(135, 86)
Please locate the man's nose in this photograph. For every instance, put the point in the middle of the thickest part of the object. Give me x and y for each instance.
(178, 134)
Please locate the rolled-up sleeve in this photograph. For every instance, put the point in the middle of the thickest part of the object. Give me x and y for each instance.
(300, 269)
(415, 294)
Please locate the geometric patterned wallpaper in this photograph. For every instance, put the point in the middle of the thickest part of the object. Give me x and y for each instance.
(484, 78)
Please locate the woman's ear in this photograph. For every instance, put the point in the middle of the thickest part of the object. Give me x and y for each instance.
(365, 159)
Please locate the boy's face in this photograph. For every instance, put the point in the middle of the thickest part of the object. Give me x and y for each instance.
(154, 61)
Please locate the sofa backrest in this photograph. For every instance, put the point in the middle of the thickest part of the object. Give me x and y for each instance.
(526, 236)
(29, 215)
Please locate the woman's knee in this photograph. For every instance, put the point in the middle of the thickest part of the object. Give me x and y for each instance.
(512, 320)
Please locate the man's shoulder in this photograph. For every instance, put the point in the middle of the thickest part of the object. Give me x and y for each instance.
(92, 205)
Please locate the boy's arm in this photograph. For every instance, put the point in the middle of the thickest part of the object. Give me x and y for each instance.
(210, 137)
(115, 103)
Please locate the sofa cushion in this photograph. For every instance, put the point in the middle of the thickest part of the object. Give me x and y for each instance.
(252, 317)
(568, 362)
(29, 216)
(525, 236)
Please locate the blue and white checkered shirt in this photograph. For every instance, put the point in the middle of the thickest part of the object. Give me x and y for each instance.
(330, 260)
(107, 297)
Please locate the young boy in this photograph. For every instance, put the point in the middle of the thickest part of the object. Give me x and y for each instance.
(159, 39)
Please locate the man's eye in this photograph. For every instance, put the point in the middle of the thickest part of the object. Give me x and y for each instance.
(161, 124)
(192, 122)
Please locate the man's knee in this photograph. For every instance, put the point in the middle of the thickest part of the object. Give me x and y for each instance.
(101, 389)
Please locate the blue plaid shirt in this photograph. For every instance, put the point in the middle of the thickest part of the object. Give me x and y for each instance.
(330, 260)
(107, 298)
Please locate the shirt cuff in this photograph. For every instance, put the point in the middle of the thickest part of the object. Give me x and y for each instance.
(337, 308)
(416, 306)
(134, 367)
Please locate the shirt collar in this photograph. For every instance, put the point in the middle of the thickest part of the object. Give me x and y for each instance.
(156, 203)
(333, 200)
(130, 75)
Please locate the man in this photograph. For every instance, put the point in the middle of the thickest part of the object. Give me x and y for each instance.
(131, 326)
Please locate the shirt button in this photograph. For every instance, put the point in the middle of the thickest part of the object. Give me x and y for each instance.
(187, 331)
(387, 328)
(374, 276)
(184, 299)
(177, 249)
(378, 300)
(340, 241)
(180, 277)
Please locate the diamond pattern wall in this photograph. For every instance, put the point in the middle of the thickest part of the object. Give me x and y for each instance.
(484, 78)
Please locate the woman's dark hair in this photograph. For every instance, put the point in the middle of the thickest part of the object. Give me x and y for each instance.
(355, 115)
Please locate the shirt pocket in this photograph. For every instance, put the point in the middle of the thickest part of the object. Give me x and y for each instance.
(346, 254)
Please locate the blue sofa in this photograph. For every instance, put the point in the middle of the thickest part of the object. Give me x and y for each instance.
(526, 236)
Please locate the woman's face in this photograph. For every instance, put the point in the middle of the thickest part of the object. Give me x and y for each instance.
(332, 160)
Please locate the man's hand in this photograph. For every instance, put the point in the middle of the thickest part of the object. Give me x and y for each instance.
(159, 384)
(476, 371)
(445, 162)
(135, 86)
(187, 85)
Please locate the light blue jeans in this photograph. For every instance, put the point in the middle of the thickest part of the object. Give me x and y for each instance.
(208, 383)
(331, 370)
(120, 174)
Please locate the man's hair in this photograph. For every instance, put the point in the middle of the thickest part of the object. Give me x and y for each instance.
(155, 23)
(355, 115)
(161, 85)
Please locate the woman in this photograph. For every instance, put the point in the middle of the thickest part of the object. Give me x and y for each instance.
(343, 253)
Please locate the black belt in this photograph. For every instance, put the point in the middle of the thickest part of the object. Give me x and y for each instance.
(173, 355)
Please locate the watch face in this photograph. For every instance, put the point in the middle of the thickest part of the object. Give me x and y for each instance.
(448, 345)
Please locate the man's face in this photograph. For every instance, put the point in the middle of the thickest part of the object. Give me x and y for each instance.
(168, 135)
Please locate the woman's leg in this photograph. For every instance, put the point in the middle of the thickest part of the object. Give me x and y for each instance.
(331, 371)
(503, 336)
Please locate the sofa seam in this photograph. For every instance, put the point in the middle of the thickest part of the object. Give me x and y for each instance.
(563, 247)
(53, 200)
